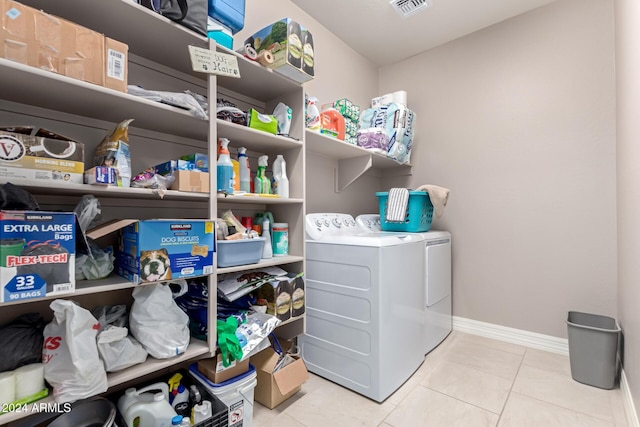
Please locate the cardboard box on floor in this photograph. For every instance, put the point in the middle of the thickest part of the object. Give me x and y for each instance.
(274, 388)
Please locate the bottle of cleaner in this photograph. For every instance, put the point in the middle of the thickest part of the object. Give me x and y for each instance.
(245, 170)
(262, 184)
(280, 177)
(146, 407)
(201, 412)
(267, 250)
(224, 168)
(312, 118)
(236, 174)
(180, 401)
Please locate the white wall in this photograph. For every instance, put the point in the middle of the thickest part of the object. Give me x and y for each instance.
(518, 120)
(628, 110)
(340, 73)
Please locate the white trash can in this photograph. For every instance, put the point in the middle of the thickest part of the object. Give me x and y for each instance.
(236, 393)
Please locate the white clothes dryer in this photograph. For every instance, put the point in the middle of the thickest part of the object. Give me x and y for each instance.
(437, 279)
(364, 310)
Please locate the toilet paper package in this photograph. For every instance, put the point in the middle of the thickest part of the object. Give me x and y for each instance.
(397, 121)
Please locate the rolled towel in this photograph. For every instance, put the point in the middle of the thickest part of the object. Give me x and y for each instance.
(438, 195)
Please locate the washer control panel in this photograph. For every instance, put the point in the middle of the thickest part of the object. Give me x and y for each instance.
(369, 222)
(322, 225)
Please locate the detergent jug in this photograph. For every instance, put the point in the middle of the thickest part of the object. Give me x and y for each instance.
(332, 120)
(147, 407)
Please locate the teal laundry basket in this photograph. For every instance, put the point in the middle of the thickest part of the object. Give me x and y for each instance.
(593, 349)
(419, 213)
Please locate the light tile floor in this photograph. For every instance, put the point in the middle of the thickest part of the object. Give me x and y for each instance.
(466, 381)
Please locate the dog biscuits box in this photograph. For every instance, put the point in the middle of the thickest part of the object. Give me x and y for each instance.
(37, 254)
(165, 249)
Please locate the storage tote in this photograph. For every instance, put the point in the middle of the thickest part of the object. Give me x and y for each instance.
(419, 213)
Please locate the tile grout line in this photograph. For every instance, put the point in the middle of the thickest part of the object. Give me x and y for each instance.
(562, 407)
(513, 383)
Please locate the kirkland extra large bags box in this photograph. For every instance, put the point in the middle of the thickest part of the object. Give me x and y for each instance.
(37, 254)
(35, 154)
(161, 249)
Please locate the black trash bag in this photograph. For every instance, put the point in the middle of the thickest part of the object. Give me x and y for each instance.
(14, 198)
(53, 273)
(21, 341)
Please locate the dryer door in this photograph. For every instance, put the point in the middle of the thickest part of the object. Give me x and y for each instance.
(438, 274)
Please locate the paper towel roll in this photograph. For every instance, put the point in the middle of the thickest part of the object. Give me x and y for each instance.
(29, 380)
(265, 58)
(7, 387)
(250, 52)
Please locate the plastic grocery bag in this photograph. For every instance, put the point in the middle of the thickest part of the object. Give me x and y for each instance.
(70, 354)
(118, 350)
(157, 322)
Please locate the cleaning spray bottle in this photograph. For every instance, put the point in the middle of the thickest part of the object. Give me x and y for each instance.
(224, 168)
(280, 177)
(245, 170)
(267, 250)
(262, 184)
(312, 118)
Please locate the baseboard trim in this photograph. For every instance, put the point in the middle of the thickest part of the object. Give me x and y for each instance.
(540, 342)
(512, 335)
(629, 406)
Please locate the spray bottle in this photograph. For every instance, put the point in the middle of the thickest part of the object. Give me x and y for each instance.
(280, 177)
(245, 170)
(224, 168)
(262, 184)
(267, 250)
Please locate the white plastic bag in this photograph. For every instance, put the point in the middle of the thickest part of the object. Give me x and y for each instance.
(118, 350)
(157, 322)
(70, 354)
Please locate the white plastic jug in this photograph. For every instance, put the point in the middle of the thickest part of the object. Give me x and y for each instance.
(147, 407)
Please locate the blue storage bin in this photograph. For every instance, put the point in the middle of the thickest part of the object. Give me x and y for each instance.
(228, 12)
(419, 213)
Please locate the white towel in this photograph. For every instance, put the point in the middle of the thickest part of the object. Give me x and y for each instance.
(438, 195)
(397, 203)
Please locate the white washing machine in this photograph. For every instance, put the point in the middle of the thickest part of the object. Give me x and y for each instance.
(437, 279)
(364, 310)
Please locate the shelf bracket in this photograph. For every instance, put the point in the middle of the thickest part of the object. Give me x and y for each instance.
(351, 169)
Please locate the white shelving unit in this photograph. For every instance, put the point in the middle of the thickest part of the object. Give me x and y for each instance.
(353, 161)
(158, 59)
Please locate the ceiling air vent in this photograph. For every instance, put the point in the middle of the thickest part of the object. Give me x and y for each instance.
(409, 7)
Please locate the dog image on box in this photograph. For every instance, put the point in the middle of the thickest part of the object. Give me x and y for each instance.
(155, 265)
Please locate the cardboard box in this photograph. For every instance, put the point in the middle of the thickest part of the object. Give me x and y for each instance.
(40, 155)
(37, 254)
(284, 39)
(200, 161)
(278, 296)
(101, 175)
(161, 249)
(116, 64)
(82, 53)
(215, 371)
(194, 181)
(274, 388)
(33, 37)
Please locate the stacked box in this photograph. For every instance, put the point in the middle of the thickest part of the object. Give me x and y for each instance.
(33, 37)
(40, 155)
(37, 254)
